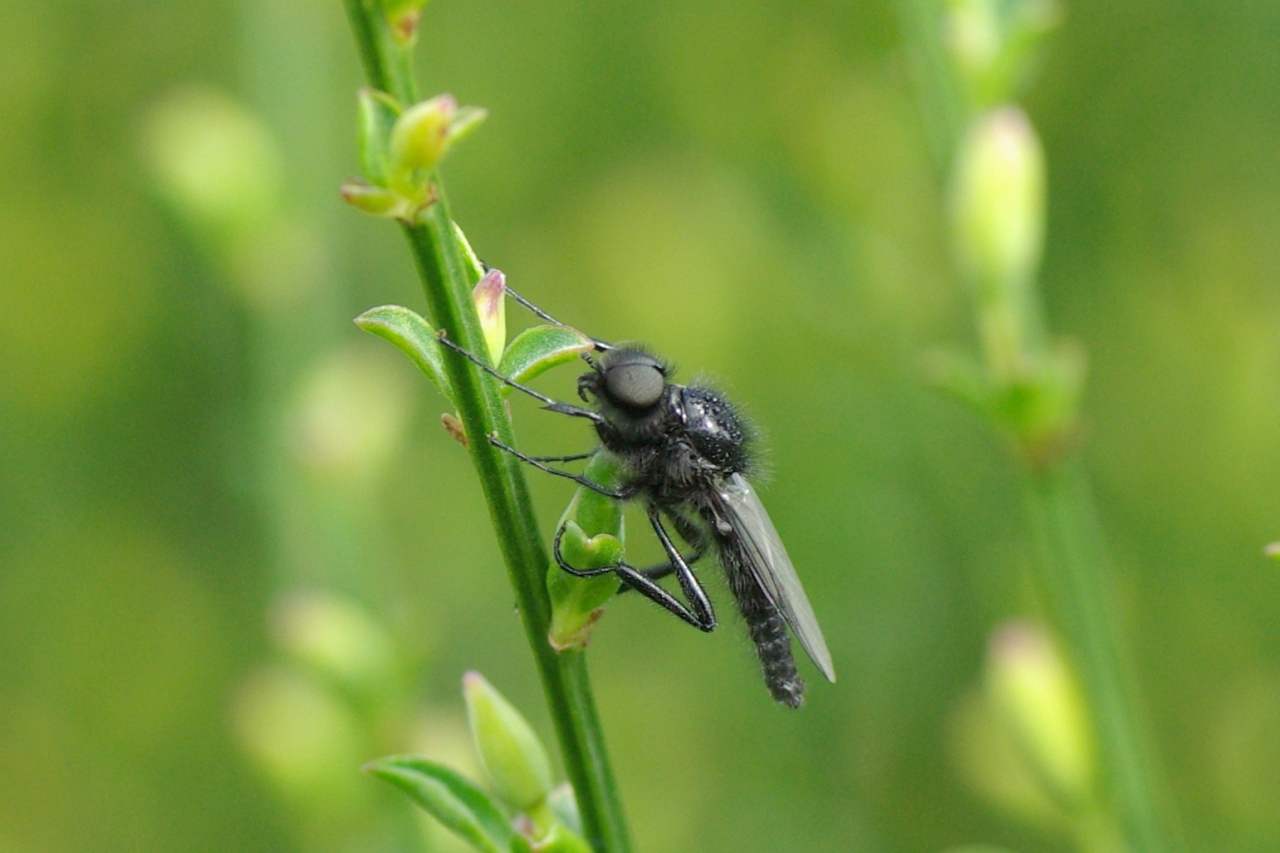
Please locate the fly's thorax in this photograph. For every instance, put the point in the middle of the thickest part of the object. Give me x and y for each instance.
(715, 429)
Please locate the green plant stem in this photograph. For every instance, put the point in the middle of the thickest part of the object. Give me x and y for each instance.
(943, 111)
(447, 280)
(1076, 579)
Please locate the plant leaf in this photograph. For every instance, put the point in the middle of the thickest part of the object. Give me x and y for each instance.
(564, 805)
(537, 350)
(378, 112)
(413, 336)
(451, 798)
(477, 268)
(560, 839)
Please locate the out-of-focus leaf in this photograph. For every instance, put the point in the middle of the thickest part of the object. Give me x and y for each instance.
(477, 268)
(561, 839)
(564, 805)
(537, 350)
(452, 799)
(413, 336)
(378, 112)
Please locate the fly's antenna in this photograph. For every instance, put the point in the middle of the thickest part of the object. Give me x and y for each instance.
(603, 346)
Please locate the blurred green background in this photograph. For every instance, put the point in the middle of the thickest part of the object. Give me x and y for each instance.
(201, 458)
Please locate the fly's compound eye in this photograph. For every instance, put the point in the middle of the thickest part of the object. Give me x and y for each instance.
(637, 385)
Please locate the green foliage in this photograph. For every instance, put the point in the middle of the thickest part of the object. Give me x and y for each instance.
(413, 336)
(525, 814)
(593, 538)
(537, 350)
(457, 803)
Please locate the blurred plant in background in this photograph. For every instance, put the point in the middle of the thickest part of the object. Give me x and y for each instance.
(328, 419)
(1030, 387)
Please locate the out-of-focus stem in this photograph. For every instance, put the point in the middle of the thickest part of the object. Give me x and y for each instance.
(1074, 569)
(1076, 579)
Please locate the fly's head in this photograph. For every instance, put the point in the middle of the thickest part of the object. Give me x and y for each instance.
(630, 387)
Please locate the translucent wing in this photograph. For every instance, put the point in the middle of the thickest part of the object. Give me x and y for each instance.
(772, 567)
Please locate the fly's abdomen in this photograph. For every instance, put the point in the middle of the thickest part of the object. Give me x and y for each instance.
(767, 628)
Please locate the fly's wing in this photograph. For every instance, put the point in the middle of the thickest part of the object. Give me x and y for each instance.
(772, 567)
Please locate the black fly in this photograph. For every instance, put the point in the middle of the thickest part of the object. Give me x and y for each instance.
(686, 456)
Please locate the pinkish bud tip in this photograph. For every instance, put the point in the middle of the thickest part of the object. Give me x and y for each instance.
(489, 292)
(1018, 639)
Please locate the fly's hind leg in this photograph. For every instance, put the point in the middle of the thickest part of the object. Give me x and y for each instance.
(699, 615)
(689, 532)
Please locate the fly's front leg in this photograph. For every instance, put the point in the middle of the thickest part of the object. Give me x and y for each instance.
(551, 404)
(573, 457)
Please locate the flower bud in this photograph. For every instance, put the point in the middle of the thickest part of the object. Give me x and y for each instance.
(418, 136)
(490, 300)
(1031, 688)
(403, 15)
(422, 136)
(998, 201)
(511, 753)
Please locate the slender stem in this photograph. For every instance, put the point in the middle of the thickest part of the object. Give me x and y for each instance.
(1075, 577)
(942, 109)
(447, 280)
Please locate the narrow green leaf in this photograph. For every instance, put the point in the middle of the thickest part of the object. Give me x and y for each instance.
(468, 253)
(564, 805)
(537, 350)
(561, 840)
(378, 112)
(450, 798)
(413, 336)
(466, 120)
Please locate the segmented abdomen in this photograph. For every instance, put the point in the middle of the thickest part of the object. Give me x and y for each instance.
(766, 626)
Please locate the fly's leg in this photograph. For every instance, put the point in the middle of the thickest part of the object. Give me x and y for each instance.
(688, 531)
(568, 475)
(600, 345)
(689, 584)
(575, 457)
(700, 616)
(550, 403)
